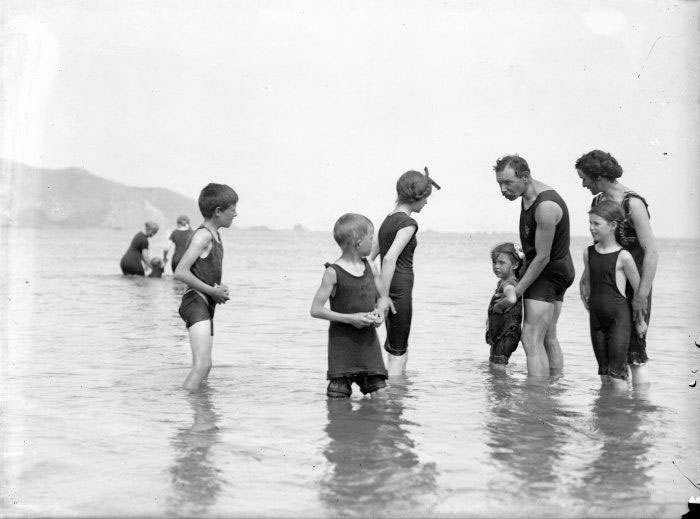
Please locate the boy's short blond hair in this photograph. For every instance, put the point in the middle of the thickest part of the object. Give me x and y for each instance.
(351, 228)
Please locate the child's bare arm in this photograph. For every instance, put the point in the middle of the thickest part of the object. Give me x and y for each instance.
(585, 283)
(630, 269)
(199, 244)
(510, 295)
(318, 305)
(384, 302)
(403, 236)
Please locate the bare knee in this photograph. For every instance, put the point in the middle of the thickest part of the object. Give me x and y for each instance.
(201, 365)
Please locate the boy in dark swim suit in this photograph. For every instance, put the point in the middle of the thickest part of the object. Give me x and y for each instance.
(352, 284)
(200, 268)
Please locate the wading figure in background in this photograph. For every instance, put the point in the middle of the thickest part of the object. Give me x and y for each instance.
(396, 244)
(136, 259)
(599, 172)
(549, 270)
(178, 241)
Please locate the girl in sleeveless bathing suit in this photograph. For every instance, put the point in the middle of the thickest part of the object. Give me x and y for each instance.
(396, 244)
(608, 269)
(503, 329)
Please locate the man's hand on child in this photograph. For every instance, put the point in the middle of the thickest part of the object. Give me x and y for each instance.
(502, 304)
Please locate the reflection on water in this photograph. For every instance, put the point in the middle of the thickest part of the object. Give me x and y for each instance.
(196, 480)
(619, 424)
(526, 430)
(374, 469)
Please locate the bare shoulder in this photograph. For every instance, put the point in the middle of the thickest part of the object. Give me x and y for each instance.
(548, 209)
(329, 275)
(625, 255)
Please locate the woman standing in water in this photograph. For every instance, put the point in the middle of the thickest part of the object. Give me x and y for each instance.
(599, 172)
(178, 241)
(136, 259)
(396, 244)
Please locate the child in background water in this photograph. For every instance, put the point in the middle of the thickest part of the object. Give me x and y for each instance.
(503, 329)
(352, 284)
(157, 268)
(608, 269)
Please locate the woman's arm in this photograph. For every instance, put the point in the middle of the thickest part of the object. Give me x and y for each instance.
(375, 249)
(401, 239)
(200, 243)
(640, 219)
(630, 269)
(318, 305)
(145, 256)
(585, 283)
(166, 251)
(384, 302)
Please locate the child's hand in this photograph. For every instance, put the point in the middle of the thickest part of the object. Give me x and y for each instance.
(378, 318)
(224, 287)
(360, 320)
(220, 295)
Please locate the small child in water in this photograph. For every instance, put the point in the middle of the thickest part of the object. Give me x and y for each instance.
(352, 284)
(608, 269)
(157, 268)
(503, 329)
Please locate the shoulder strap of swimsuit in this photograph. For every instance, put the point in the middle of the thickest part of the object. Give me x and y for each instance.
(596, 199)
(626, 202)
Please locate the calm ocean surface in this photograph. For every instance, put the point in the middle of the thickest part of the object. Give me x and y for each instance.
(95, 423)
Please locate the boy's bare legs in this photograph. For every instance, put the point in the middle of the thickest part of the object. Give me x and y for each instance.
(201, 343)
(396, 364)
(551, 343)
(538, 315)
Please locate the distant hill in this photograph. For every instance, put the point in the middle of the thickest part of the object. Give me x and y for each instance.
(73, 197)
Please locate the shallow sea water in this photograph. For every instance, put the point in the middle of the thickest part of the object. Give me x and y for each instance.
(95, 423)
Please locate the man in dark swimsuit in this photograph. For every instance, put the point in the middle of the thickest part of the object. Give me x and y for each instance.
(544, 234)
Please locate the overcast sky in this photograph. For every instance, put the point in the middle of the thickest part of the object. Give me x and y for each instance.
(313, 109)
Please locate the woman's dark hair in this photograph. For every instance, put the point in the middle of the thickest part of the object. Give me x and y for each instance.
(597, 163)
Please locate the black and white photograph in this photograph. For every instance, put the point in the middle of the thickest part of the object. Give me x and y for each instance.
(331, 258)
